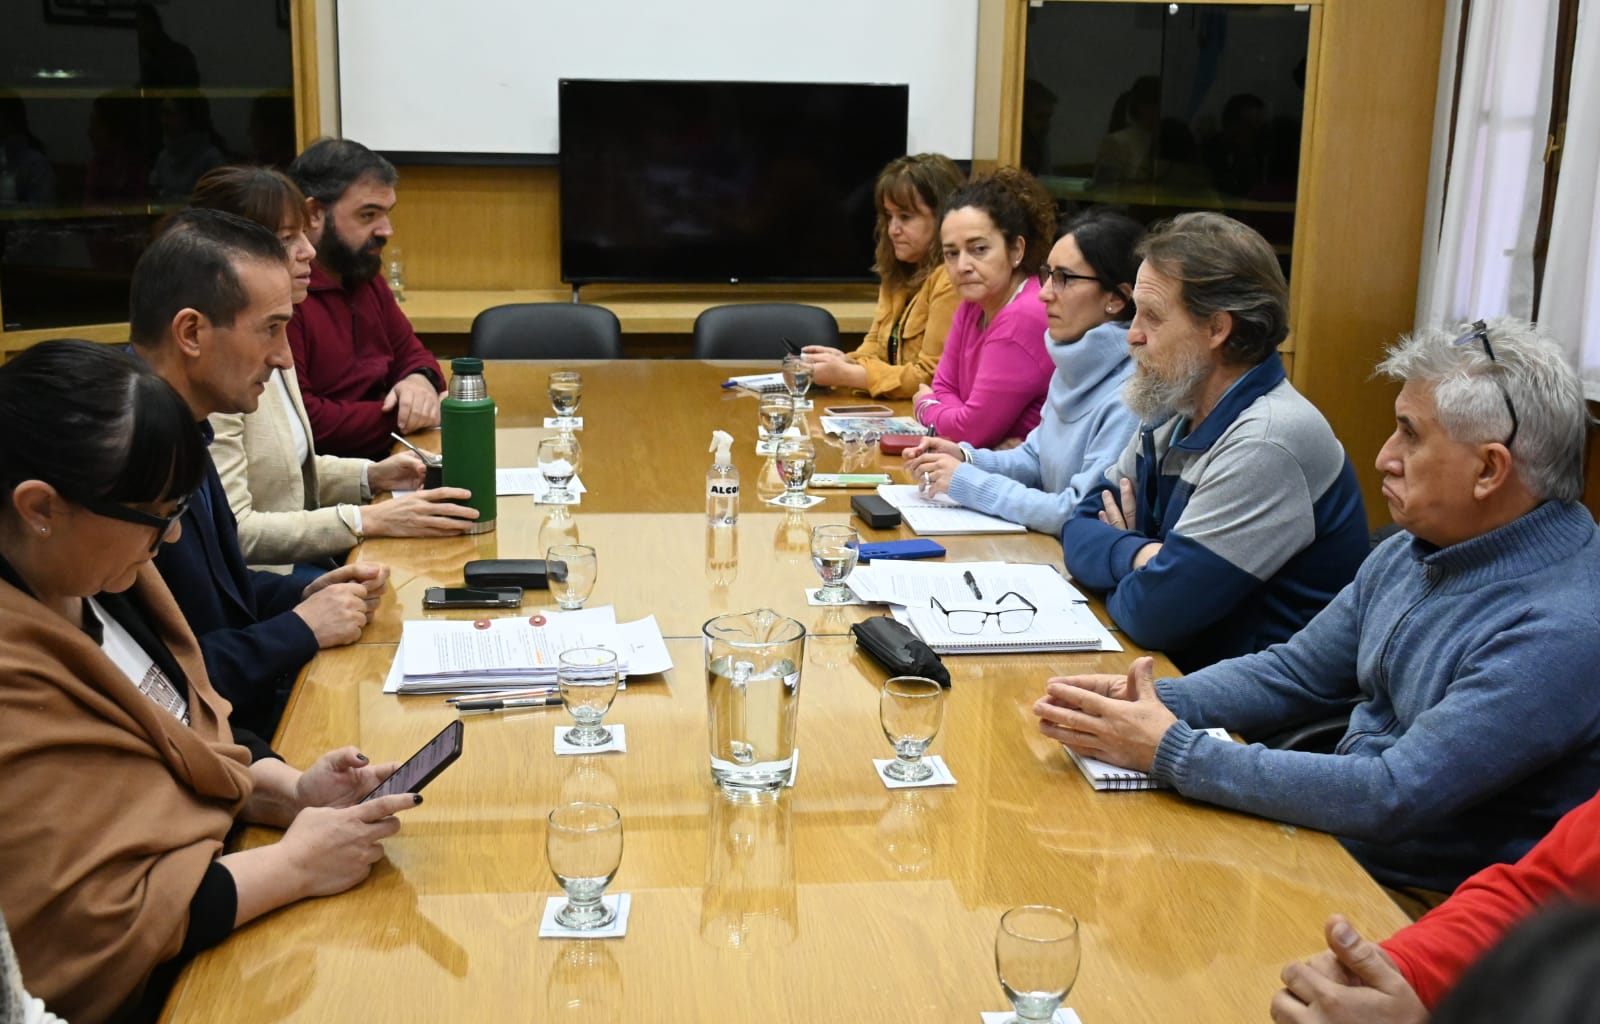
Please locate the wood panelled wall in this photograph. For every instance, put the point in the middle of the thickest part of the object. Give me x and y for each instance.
(479, 227)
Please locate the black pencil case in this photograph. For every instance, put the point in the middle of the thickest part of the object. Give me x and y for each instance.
(893, 645)
(527, 573)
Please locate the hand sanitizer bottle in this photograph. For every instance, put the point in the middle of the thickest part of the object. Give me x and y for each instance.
(722, 483)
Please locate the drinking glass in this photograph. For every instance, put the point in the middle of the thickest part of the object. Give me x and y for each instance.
(797, 458)
(777, 412)
(583, 843)
(911, 709)
(587, 678)
(797, 378)
(571, 570)
(1036, 958)
(566, 391)
(559, 458)
(833, 554)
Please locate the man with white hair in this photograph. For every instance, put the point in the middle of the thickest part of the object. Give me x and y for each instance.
(1469, 643)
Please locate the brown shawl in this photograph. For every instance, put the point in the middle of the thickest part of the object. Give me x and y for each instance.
(111, 809)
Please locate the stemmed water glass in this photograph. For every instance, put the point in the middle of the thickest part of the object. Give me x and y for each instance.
(797, 459)
(777, 412)
(797, 378)
(1036, 954)
(583, 844)
(833, 554)
(911, 709)
(566, 391)
(587, 678)
(559, 458)
(571, 570)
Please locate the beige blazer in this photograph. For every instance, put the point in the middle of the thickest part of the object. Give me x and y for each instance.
(278, 502)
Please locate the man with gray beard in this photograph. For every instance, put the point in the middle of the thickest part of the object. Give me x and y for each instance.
(1233, 516)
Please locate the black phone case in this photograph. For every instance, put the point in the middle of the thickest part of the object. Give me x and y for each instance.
(527, 573)
(874, 511)
(893, 645)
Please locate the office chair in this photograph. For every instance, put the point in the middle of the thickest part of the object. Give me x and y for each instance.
(756, 330)
(546, 330)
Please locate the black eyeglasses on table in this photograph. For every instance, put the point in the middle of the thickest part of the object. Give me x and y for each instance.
(968, 621)
(161, 524)
(1480, 333)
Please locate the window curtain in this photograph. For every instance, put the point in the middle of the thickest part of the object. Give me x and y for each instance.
(1569, 303)
(1485, 185)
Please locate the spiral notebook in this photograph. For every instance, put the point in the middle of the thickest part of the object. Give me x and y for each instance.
(1103, 776)
(1072, 628)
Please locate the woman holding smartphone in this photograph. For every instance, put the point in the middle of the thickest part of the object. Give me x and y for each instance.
(1086, 289)
(916, 300)
(995, 232)
(293, 505)
(120, 776)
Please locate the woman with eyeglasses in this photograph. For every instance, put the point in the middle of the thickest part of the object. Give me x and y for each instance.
(120, 776)
(994, 233)
(293, 505)
(916, 300)
(1086, 288)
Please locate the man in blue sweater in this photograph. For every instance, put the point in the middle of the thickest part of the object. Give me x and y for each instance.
(1470, 642)
(208, 310)
(1233, 515)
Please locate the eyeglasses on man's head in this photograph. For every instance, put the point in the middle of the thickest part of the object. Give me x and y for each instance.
(1480, 333)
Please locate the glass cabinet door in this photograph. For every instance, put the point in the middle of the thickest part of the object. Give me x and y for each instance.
(1161, 108)
(109, 112)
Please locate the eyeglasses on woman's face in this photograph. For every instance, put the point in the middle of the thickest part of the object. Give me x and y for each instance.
(127, 514)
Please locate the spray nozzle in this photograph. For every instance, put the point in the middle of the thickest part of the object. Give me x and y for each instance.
(722, 444)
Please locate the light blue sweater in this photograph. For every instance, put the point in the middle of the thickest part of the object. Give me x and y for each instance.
(1083, 427)
(1478, 722)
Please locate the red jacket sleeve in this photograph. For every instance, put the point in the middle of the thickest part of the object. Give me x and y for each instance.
(1434, 952)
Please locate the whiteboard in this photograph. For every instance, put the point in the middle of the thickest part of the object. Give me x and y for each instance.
(479, 76)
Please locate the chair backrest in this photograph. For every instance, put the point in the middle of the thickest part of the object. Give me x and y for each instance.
(546, 330)
(755, 330)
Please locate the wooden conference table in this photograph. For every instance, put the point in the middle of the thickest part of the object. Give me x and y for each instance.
(841, 900)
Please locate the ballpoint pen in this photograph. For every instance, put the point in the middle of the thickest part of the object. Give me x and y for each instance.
(551, 701)
(507, 694)
(972, 585)
(428, 458)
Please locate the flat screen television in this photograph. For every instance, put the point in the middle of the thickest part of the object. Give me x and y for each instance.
(722, 181)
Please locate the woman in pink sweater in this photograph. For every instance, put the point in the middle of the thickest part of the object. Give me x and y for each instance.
(995, 371)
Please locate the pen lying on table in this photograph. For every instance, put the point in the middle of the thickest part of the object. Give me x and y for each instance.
(510, 703)
(507, 694)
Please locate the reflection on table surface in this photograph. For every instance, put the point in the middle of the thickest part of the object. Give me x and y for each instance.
(840, 900)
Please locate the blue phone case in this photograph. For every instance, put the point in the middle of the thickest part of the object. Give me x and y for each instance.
(916, 548)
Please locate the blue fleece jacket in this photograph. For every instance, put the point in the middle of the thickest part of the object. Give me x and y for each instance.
(1258, 514)
(1082, 429)
(1479, 717)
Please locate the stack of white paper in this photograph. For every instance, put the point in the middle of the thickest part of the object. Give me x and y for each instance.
(528, 480)
(458, 656)
(1062, 620)
(935, 515)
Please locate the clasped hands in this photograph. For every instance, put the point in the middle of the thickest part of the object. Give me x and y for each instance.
(1115, 719)
(932, 462)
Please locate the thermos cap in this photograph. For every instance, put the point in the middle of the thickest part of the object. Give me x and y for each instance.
(466, 364)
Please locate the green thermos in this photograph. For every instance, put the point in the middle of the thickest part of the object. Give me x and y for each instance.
(467, 425)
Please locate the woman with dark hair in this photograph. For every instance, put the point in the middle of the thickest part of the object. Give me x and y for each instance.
(994, 232)
(120, 775)
(916, 302)
(1087, 292)
(293, 505)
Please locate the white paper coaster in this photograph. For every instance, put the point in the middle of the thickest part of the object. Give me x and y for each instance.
(618, 744)
(941, 774)
(1062, 1016)
(553, 423)
(811, 499)
(622, 902)
(812, 599)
